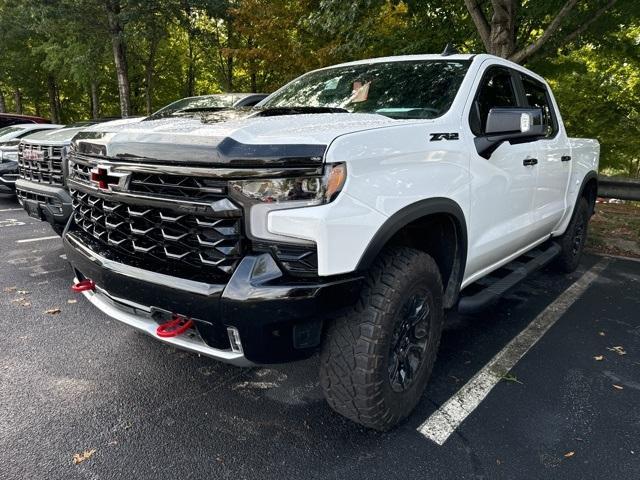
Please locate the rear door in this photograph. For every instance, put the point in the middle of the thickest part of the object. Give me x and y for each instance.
(503, 186)
(554, 159)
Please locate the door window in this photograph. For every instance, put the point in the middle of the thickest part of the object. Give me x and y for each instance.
(496, 90)
(537, 97)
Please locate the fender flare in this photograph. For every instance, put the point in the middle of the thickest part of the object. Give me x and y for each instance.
(411, 213)
(591, 174)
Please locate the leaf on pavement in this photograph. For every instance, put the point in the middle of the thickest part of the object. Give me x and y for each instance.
(618, 349)
(618, 387)
(81, 457)
(10, 289)
(508, 377)
(569, 454)
(53, 311)
(21, 301)
(598, 358)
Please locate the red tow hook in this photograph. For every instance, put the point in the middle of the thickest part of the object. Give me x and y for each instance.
(84, 286)
(174, 327)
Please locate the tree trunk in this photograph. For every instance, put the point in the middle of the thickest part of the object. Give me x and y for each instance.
(95, 100)
(499, 36)
(3, 105)
(119, 56)
(53, 102)
(191, 71)
(502, 39)
(148, 74)
(229, 62)
(17, 95)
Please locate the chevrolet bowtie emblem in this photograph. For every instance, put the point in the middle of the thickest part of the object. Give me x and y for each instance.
(104, 178)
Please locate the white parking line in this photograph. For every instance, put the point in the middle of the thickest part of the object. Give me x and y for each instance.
(29, 240)
(10, 209)
(444, 421)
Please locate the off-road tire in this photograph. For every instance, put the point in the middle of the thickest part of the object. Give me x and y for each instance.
(355, 371)
(573, 240)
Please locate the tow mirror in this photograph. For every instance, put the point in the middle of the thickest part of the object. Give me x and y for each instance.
(509, 124)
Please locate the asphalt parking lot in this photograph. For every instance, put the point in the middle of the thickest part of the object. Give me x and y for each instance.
(77, 381)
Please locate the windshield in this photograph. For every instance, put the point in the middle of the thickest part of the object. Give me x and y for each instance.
(407, 89)
(206, 103)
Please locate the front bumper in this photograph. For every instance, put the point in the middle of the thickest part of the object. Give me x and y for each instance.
(47, 202)
(277, 320)
(8, 174)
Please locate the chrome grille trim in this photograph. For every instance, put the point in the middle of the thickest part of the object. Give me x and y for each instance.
(191, 171)
(47, 169)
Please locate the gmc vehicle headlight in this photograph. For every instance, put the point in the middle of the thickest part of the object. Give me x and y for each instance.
(262, 196)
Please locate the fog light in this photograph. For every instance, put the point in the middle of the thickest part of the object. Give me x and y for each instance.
(234, 339)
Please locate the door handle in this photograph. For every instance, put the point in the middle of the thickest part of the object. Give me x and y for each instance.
(565, 158)
(528, 162)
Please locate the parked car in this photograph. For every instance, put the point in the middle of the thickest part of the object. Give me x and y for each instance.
(9, 141)
(42, 165)
(7, 119)
(208, 103)
(349, 213)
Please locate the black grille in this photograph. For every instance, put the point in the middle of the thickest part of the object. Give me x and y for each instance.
(24, 195)
(79, 171)
(40, 163)
(162, 239)
(178, 186)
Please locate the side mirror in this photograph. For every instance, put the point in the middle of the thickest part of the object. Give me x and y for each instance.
(509, 124)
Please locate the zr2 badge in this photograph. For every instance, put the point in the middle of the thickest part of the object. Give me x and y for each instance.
(436, 137)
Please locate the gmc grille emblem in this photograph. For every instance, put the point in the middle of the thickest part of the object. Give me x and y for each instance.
(104, 178)
(32, 155)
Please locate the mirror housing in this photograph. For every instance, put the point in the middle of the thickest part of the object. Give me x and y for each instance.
(509, 124)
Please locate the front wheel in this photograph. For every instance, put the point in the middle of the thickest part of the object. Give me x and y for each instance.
(377, 358)
(573, 241)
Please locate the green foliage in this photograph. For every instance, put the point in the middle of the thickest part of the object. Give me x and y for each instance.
(57, 52)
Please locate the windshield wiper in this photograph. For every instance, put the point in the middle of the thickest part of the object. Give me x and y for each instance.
(275, 111)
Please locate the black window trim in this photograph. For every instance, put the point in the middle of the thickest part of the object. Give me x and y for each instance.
(487, 71)
(552, 109)
(521, 99)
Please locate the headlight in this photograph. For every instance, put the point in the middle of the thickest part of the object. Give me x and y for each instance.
(264, 195)
(10, 156)
(311, 190)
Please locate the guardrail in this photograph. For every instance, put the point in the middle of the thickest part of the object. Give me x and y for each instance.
(617, 187)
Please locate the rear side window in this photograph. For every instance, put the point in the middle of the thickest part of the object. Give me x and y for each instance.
(496, 90)
(538, 97)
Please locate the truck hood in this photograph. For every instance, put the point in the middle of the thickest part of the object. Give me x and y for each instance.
(226, 138)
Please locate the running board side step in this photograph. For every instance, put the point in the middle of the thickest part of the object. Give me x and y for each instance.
(493, 287)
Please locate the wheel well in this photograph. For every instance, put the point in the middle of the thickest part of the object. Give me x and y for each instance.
(590, 192)
(440, 236)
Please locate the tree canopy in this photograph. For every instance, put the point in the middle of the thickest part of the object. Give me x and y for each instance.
(75, 59)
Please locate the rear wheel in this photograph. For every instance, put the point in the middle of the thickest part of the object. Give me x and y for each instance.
(573, 241)
(377, 358)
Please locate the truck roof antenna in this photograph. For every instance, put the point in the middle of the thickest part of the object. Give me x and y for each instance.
(449, 50)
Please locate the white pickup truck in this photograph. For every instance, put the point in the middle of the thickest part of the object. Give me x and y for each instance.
(347, 213)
